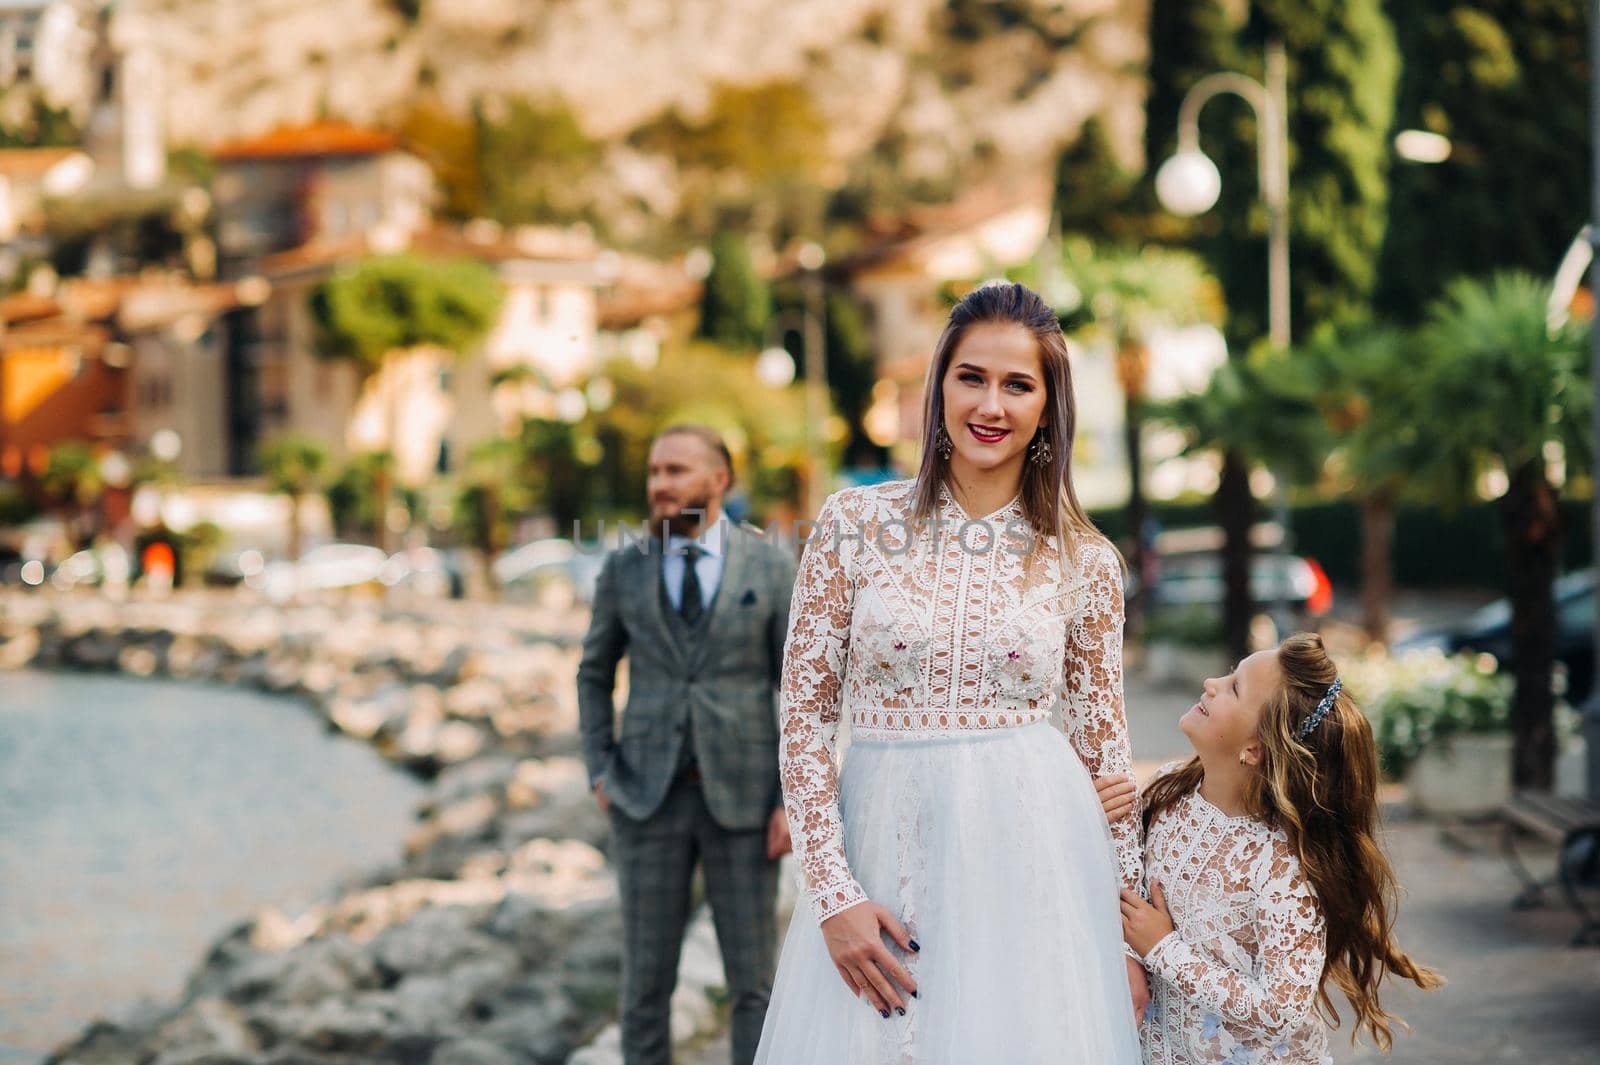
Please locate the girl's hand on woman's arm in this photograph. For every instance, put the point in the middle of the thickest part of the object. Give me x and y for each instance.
(1117, 795)
(1144, 924)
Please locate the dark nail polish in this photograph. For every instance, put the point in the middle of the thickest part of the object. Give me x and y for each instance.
(884, 1014)
(901, 1010)
(915, 995)
(914, 945)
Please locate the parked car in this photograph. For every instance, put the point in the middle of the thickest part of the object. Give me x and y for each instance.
(542, 568)
(1488, 630)
(324, 568)
(1194, 578)
(426, 571)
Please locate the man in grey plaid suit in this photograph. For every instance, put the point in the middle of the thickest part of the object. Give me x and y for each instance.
(702, 614)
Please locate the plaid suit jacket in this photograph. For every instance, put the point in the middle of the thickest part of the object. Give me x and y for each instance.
(720, 689)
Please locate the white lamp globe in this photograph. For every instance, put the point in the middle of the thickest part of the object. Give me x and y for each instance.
(1188, 183)
(775, 367)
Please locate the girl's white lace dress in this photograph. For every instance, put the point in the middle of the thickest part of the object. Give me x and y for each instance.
(1237, 981)
(959, 806)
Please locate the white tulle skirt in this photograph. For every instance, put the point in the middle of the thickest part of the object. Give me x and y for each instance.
(992, 848)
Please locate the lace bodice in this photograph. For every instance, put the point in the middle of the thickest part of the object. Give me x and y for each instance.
(967, 626)
(1237, 981)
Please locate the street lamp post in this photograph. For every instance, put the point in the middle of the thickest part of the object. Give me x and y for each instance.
(1188, 184)
(770, 365)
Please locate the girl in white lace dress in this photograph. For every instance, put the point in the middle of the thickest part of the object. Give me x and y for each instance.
(960, 882)
(1266, 877)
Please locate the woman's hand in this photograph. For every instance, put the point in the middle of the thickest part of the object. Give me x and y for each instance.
(1117, 795)
(855, 941)
(1144, 924)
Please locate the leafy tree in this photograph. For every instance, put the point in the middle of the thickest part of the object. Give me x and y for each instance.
(358, 496)
(493, 490)
(535, 161)
(754, 161)
(765, 428)
(390, 304)
(1508, 82)
(452, 148)
(1095, 194)
(41, 123)
(1362, 379)
(1342, 70)
(736, 305)
(1123, 296)
(295, 466)
(73, 482)
(1242, 417)
(393, 303)
(1343, 65)
(1498, 389)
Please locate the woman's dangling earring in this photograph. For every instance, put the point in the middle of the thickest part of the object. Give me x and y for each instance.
(1040, 450)
(942, 443)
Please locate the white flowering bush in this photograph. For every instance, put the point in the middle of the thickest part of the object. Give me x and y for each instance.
(1422, 697)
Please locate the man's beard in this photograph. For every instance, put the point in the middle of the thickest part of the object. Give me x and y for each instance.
(686, 522)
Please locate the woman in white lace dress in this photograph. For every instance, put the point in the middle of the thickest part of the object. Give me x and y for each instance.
(1266, 877)
(960, 880)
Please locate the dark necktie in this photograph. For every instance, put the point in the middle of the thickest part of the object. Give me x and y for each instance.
(689, 604)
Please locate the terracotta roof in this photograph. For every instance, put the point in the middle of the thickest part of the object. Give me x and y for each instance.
(315, 139)
(32, 164)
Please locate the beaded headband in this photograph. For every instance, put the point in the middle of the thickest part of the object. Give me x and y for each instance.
(1309, 725)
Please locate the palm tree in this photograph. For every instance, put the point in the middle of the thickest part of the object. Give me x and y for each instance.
(72, 479)
(295, 465)
(1362, 379)
(491, 492)
(389, 305)
(1124, 296)
(1246, 417)
(1503, 393)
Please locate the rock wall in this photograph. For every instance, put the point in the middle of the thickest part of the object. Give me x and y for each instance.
(493, 939)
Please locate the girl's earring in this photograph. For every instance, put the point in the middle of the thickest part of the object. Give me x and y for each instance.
(1040, 450)
(942, 443)
(1241, 758)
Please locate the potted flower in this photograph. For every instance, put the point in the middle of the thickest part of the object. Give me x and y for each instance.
(1442, 725)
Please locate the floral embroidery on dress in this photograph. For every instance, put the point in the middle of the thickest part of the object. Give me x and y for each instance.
(1024, 665)
(892, 661)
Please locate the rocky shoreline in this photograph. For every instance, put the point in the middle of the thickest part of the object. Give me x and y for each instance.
(493, 939)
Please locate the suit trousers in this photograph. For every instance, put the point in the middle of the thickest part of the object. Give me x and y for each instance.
(655, 861)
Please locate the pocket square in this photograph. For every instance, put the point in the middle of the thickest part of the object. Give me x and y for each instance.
(749, 596)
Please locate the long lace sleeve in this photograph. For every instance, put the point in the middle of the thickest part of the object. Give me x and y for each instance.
(1278, 995)
(1092, 714)
(810, 702)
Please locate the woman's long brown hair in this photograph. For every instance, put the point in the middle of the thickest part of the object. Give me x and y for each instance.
(1049, 501)
(1323, 794)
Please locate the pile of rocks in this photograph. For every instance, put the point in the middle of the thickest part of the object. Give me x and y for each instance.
(494, 937)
